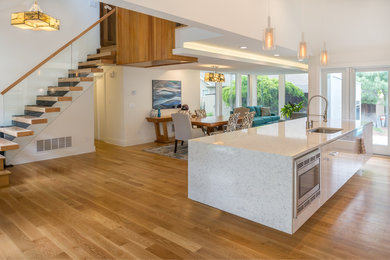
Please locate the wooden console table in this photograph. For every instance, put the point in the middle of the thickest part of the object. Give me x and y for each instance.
(161, 138)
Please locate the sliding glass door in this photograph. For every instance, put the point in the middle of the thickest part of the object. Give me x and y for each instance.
(372, 104)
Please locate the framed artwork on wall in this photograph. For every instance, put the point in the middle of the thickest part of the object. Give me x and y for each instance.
(166, 94)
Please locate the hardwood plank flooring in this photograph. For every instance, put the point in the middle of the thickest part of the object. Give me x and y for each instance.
(124, 203)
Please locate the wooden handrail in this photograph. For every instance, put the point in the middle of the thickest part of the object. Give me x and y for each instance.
(57, 52)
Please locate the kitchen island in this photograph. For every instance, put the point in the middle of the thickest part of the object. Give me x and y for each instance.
(253, 173)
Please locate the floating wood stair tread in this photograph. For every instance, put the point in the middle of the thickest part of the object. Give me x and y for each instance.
(16, 131)
(42, 109)
(2, 157)
(53, 98)
(6, 145)
(86, 71)
(32, 120)
(54, 89)
(5, 172)
(78, 79)
(107, 48)
(96, 63)
(101, 55)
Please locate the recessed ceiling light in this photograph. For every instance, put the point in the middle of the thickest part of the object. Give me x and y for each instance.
(276, 54)
(243, 47)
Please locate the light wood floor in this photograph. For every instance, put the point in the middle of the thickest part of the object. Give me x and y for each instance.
(129, 204)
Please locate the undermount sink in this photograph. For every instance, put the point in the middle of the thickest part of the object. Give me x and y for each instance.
(325, 130)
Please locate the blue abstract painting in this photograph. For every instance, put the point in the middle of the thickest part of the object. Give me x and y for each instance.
(166, 94)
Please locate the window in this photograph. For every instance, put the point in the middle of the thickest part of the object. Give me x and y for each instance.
(297, 89)
(244, 90)
(268, 92)
(228, 94)
(207, 95)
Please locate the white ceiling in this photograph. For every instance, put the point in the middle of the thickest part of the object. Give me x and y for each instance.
(347, 26)
(227, 42)
(224, 65)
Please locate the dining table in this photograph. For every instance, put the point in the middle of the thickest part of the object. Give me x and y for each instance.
(210, 122)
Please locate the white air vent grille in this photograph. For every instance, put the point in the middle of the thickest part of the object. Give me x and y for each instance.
(54, 144)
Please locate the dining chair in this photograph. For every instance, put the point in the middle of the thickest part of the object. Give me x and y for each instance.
(231, 126)
(183, 129)
(201, 113)
(241, 111)
(247, 121)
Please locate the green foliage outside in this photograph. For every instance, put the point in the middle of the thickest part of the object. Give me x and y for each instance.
(374, 84)
(267, 93)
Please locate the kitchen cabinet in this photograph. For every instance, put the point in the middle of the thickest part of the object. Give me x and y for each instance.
(342, 158)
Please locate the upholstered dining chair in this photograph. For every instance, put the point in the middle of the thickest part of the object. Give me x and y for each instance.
(231, 126)
(241, 111)
(247, 121)
(201, 113)
(183, 129)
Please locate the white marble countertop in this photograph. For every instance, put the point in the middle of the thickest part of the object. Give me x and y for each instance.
(288, 138)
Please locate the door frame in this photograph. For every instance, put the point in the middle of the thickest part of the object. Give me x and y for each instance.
(378, 149)
(346, 95)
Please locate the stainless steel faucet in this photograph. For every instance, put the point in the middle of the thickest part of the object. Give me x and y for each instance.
(309, 124)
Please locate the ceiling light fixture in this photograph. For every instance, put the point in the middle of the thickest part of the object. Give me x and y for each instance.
(214, 76)
(243, 47)
(35, 19)
(269, 36)
(302, 49)
(276, 54)
(324, 56)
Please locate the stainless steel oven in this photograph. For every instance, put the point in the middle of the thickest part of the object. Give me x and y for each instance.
(307, 180)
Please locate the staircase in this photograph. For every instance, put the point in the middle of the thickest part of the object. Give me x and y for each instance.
(34, 114)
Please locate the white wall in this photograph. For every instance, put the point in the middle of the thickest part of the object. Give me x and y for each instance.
(21, 49)
(129, 100)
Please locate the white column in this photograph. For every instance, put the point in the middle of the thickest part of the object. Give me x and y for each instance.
(218, 98)
(314, 83)
(282, 91)
(252, 89)
(238, 90)
(349, 94)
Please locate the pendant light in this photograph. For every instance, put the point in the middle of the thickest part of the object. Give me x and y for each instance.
(214, 76)
(35, 19)
(324, 56)
(269, 35)
(302, 49)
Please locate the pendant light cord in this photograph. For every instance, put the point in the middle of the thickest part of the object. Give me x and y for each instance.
(268, 7)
